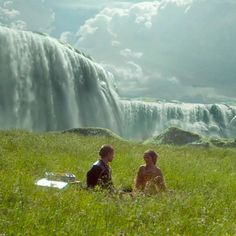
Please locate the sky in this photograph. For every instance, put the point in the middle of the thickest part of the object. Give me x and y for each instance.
(181, 50)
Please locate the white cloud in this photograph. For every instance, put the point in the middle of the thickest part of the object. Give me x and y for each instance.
(130, 54)
(68, 37)
(31, 15)
(7, 4)
(85, 4)
(191, 41)
(9, 13)
(19, 24)
(180, 48)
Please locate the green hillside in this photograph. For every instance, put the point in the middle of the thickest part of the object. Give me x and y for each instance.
(203, 180)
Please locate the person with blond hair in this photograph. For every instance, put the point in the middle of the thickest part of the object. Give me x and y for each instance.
(150, 178)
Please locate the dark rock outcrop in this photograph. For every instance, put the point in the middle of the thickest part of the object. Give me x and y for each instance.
(175, 136)
(92, 131)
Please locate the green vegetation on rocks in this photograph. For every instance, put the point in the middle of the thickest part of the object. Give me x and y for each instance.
(223, 143)
(179, 137)
(175, 136)
(93, 132)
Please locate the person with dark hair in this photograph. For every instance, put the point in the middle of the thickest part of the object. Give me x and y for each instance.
(150, 178)
(101, 174)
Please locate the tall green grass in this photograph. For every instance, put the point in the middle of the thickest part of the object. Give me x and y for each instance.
(203, 180)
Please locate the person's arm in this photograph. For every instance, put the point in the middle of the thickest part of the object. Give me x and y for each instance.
(93, 176)
(139, 182)
(160, 181)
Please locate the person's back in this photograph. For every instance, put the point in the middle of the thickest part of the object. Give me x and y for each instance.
(101, 174)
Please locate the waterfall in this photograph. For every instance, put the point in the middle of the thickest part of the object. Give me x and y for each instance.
(145, 119)
(46, 85)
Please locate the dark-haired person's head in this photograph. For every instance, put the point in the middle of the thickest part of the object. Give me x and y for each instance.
(150, 156)
(107, 152)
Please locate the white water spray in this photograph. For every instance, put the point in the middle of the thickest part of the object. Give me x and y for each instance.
(45, 85)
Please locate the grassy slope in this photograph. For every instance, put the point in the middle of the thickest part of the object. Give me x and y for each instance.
(204, 201)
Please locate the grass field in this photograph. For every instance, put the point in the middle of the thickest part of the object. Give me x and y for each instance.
(203, 180)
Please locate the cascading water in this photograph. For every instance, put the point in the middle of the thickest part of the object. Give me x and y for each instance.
(45, 85)
(145, 119)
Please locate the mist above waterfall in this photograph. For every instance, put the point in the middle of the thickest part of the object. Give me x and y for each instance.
(46, 85)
